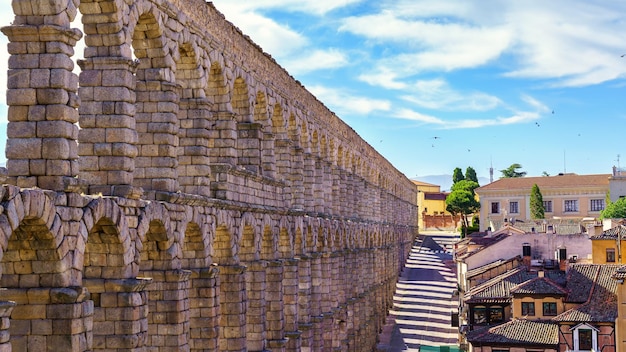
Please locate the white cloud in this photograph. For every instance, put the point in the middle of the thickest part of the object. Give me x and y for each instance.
(429, 45)
(521, 117)
(275, 39)
(568, 43)
(316, 60)
(317, 7)
(437, 94)
(385, 78)
(551, 45)
(343, 103)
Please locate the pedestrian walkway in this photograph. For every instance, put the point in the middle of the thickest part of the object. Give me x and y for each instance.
(424, 302)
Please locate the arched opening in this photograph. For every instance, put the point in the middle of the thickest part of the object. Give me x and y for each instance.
(157, 109)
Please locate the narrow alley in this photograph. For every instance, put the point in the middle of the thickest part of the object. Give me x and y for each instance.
(421, 319)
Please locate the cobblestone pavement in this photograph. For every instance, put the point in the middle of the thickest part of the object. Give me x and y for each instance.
(423, 301)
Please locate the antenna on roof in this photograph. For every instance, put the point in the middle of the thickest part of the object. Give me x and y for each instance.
(564, 163)
(491, 171)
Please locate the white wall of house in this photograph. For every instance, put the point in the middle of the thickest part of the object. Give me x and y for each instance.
(542, 246)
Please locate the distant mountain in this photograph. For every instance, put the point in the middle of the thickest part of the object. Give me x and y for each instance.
(445, 181)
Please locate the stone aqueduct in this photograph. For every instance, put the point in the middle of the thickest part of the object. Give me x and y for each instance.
(184, 193)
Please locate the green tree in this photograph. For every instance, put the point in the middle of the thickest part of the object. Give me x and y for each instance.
(457, 175)
(462, 201)
(537, 211)
(511, 171)
(470, 174)
(614, 210)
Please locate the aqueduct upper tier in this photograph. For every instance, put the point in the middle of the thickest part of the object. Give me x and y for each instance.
(184, 192)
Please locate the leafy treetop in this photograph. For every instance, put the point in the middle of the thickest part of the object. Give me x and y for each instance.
(511, 171)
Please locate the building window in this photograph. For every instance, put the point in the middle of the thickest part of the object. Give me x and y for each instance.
(610, 255)
(549, 308)
(495, 207)
(597, 204)
(480, 315)
(514, 208)
(547, 206)
(585, 338)
(496, 315)
(571, 206)
(528, 308)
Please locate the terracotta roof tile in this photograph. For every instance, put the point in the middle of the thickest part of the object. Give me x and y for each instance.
(518, 332)
(499, 288)
(612, 234)
(539, 286)
(601, 304)
(563, 181)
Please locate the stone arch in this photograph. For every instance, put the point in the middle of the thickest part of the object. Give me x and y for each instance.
(324, 148)
(32, 240)
(250, 242)
(298, 237)
(159, 247)
(315, 143)
(226, 239)
(269, 243)
(278, 122)
(311, 228)
(196, 247)
(156, 116)
(261, 114)
(109, 250)
(340, 157)
(285, 238)
(305, 138)
(217, 91)
(241, 100)
(293, 129)
(190, 75)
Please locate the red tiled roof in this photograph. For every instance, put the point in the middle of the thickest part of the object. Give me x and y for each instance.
(601, 304)
(539, 286)
(562, 181)
(518, 332)
(612, 234)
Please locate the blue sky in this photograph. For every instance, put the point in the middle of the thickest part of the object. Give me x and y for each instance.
(435, 85)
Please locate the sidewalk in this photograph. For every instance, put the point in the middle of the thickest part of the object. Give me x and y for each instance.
(423, 301)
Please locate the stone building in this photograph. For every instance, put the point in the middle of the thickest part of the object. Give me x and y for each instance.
(184, 192)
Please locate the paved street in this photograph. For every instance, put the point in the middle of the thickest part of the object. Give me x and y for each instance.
(423, 301)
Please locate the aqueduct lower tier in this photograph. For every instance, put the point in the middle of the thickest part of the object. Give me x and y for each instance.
(184, 192)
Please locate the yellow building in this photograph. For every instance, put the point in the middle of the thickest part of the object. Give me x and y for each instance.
(431, 203)
(608, 247)
(566, 196)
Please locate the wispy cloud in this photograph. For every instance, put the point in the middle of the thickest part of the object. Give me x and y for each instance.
(427, 45)
(343, 102)
(277, 39)
(517, 118)
(317, 7)
(316, 60)
(541, 40)
(437, 94)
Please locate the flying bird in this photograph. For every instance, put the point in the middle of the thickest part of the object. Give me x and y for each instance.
(436, 137)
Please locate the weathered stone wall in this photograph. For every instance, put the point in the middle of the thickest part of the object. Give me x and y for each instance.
(184, 193)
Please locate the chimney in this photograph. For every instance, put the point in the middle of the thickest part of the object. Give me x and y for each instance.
(541, 273)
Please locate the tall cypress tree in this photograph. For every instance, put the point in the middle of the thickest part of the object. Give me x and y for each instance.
(470, 174)
(457, 175)
(537, 210)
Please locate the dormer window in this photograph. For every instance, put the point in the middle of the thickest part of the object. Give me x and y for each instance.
(585, 338)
